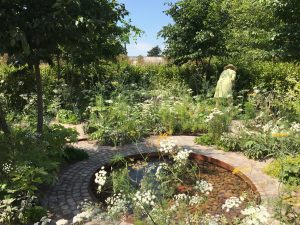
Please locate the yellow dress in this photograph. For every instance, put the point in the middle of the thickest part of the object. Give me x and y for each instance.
(225, 83)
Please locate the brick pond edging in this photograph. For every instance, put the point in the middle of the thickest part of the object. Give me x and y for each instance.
(72, 187)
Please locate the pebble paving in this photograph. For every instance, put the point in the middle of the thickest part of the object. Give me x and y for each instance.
(72, 187)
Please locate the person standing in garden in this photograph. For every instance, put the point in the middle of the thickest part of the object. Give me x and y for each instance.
(225, 84)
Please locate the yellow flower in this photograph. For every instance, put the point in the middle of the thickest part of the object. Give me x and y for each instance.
(241, 170)
(162, 137)
(236, 171)
(252, 94)
(280, 134)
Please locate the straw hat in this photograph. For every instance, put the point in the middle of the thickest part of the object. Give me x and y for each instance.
(230, 66)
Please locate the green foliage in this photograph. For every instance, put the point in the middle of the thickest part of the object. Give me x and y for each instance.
(286, 206)
(34, 214)
(121, 181)
(154, 52)
(72, 154)
(49, 35)
(116, 122)
(27, 162)
(205, 139)
(67, 117)
(198, 30)
(286, 169)
(255, 149)
(250, 30)
(229, 142)
(218, 123)
(250, 110)
(288, 37)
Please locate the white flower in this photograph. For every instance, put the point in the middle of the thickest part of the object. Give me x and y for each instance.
(7, 168)
(180, 197)
(144, 199)
(210, 220)
(255, 215)
(82, 216)
(100, 178)
(214, 113)
(167, 146)
(117, 204)
(2, 81)
(232, 202)
(203, 186)
(195, 200)
(159, 170)
(295, 127)
(267, 127)
(182, 156)
(62, 222)
(109, 101)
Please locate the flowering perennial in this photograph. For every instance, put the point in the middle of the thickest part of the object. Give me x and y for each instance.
(82, 216)
(7, 168)
(232, 202)
(167, 146)
(181, 197)
(159, 170)
(117, 204)
(195, 200)
(295, 127)
(255, 215)
(203, 186)
(62, 222)
(100, 178)
(214, 113)
(144, 199)
(182, 156)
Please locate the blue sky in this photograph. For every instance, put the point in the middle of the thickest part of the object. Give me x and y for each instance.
(148, 16)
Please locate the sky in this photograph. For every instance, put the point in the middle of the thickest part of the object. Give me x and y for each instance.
(148, 16)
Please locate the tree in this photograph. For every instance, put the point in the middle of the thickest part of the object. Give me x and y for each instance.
(288, 39)
(32, 32)
(198, 31)
(155, 51)
(3, 124)
(250, 30)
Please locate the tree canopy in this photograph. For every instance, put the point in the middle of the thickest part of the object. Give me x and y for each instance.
(198, 30)
(84, 30)
(288, 32)
(155, 51)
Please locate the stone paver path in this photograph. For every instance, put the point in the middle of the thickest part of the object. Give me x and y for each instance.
(72, 187)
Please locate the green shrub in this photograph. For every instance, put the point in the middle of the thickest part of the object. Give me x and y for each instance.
(205, 139)
(255, 150)
(72, 154)
(286, 169)
(229, 142)
(116, 122)
(33, 214)
(27, 163)
(250, 111)
(67, 116)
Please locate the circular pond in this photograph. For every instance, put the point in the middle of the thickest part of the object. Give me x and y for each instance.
(225, 182)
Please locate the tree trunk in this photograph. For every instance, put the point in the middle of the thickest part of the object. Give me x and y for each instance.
(39, 91)
(3, 124)
(58, 67)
